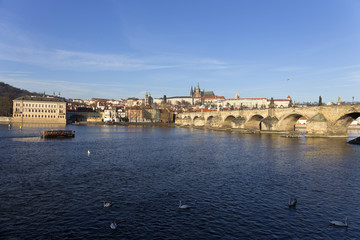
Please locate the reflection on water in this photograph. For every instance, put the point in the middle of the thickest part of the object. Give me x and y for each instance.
(238, 185)
(27, 139)
(354, 133)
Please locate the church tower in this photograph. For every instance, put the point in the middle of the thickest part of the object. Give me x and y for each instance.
(146, 99)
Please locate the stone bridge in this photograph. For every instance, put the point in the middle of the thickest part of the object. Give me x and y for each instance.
(321, 120)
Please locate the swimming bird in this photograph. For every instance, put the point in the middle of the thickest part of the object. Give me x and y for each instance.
(183, 206)
(339, 223)
(88, 152)
(292, 202)
(107, 204)
(113, 225)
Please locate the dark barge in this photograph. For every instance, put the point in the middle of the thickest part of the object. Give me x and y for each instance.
(57, 134)
(355, 141)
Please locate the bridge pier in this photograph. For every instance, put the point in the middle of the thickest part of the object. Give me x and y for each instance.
(320, 126)
(269, 123)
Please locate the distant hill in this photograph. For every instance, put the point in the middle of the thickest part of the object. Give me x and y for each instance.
(9, 93)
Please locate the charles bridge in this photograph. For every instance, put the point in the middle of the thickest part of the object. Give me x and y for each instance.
(322, 121)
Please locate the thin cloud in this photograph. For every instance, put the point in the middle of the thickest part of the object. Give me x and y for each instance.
(203, 64)
(289, 69)
(84, 61)
(72, 60)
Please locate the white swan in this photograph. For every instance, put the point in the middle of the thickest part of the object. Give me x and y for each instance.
(113, 225)
(183, 206)
(339, 223)
(107, 204)
(292, 202)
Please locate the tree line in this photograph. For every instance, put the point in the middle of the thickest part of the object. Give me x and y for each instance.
(7, 94)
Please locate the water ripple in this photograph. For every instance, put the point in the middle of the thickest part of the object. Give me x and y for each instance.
(238, 185)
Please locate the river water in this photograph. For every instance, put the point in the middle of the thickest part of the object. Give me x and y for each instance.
(238, 185)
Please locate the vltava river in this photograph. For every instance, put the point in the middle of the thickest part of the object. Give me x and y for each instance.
(238, 185)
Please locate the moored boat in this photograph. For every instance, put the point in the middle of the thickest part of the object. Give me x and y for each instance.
(355, 141)
(57, 133)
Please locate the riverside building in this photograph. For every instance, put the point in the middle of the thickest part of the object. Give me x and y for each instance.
(31, 109)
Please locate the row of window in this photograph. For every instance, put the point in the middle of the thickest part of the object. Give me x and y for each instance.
(40, 110)
(38, 116)
(39, 105)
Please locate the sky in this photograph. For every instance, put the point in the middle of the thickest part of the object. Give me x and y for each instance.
(119, 49)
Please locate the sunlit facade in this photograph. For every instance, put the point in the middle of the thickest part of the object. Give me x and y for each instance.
(30, 109)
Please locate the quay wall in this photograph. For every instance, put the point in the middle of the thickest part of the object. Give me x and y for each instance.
(5, 120)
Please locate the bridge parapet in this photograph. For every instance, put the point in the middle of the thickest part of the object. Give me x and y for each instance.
(322, 120)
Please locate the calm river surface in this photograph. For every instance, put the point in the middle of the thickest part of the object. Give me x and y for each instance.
(238, 185)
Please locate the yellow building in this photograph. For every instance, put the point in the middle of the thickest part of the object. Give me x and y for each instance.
(30, 109)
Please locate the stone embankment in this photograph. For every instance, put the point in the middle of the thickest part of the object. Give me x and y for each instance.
(140, 124)
(5, 120)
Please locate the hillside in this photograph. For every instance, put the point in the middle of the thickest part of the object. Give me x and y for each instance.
(7, 94)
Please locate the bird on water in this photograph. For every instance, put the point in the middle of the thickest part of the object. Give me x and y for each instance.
(113, 225)
(106, 204)
(292, 202)
(183, 206)
(88, 152)
(339, 223)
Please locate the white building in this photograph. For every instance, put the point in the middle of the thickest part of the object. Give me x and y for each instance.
(251, 103)
(33, 109)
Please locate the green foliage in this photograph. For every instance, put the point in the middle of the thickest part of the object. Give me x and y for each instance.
(9, 93)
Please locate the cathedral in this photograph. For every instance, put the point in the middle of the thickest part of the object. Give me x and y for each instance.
(198, 96)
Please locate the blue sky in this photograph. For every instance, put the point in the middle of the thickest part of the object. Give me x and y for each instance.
(119, 49)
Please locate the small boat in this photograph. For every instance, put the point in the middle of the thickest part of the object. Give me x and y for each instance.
(355, 141)
(57, 134)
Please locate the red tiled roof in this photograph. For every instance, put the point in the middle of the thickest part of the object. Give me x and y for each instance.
(213, 97)
(247, 99)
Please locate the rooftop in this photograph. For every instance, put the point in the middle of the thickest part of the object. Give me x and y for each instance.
(44, 99)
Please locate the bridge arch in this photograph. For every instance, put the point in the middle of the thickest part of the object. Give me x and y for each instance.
(344, 121)
(198, 121)
(254, 122)
(229, 121)
(186, 121)
(213, 121)
(288, 123)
